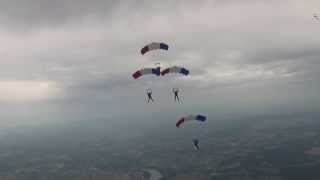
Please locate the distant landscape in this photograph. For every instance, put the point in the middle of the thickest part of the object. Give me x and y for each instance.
(270, 148)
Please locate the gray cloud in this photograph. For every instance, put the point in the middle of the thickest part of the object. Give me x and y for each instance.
(245, 56)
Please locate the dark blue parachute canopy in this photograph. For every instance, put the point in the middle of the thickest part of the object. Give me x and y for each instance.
(164, 46)
(201, 118)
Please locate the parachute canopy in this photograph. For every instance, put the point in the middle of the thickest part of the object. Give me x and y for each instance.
(146, 71)
(154, 46)
(198, 117)
(175, 69)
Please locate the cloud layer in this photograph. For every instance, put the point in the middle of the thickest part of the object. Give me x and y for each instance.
(244, 56)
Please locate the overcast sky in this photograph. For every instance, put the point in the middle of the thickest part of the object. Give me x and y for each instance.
(67, 60)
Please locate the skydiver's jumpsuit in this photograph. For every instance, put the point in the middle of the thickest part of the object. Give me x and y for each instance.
(176, 95)
(149, 93)
(196, 144)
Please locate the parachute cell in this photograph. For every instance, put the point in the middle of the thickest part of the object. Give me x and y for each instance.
(146, 71)
(175, 69)
(200, 118)
(154, 46)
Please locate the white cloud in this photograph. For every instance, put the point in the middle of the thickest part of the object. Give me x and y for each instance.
(24, 91)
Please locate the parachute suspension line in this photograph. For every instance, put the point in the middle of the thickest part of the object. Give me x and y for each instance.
(149, 90)
(196, 135)
(155, 71)
(157, 64)
(175, 70)
(200, 131)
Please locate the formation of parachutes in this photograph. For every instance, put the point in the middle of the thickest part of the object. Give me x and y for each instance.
(174, 69)
(156, 71)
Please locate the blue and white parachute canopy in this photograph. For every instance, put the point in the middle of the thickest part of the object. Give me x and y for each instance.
(175, 69)
(146, 71)
(198, 117)
(154, 46)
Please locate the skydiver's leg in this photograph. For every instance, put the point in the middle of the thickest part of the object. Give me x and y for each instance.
(176, 97)
(149, 97)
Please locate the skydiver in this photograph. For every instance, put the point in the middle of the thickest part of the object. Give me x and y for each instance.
(176, 94)
(196, 144)
(149, 93)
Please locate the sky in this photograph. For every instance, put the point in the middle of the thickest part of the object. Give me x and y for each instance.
(70, 60)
